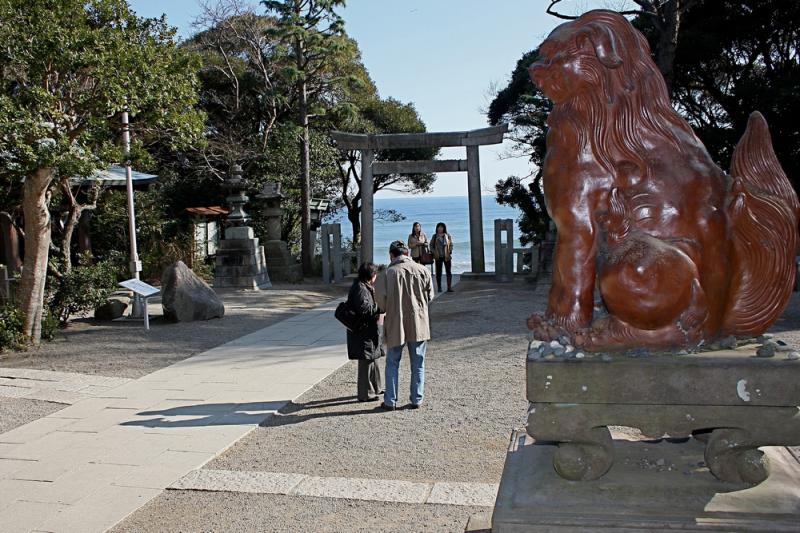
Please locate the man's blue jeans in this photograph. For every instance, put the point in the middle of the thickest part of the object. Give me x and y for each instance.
(417, 352)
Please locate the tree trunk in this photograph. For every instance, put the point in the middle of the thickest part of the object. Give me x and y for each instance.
(73, 216)
(354, 216)
(306, 246)
(668, 41)
(35, 203)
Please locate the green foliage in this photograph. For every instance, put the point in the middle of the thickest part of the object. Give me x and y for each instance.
(84, 288)
(161, 239)
(735, 57)
(11, 328)
(525, 108)
(61, 91)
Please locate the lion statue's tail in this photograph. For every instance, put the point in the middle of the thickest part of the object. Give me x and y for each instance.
(763, 211)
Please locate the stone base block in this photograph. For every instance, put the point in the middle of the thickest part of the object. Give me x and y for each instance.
(292, 273)
(241, 264)
(653, 486)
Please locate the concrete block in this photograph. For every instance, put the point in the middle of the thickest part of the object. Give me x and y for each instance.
(654, 486)
(239, 233)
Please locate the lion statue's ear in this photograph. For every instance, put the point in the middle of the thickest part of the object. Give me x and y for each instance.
(602, 40)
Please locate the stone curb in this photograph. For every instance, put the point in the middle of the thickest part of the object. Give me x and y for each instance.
(381, 490)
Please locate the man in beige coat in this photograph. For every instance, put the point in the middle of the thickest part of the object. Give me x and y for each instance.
(404, 291)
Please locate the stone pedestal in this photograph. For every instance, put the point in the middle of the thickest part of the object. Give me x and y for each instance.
(241, 262)
(734, 399)
(653, 486)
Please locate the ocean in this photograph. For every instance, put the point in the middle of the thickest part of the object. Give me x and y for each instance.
(428, 211)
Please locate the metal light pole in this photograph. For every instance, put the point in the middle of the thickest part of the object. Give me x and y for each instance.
(136, 266)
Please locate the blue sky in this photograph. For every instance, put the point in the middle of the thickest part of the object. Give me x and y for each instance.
(442, 55)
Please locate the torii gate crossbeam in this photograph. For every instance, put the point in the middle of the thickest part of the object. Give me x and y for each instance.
(369, 143)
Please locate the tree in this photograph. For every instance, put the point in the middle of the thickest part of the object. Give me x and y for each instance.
(314, 36)
(61, 94)
(525, 108)
(731, 58)
(744, 56)
(243, 92)
(663, 17)
(376, 115)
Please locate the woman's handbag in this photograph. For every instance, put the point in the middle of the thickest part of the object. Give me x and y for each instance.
(425, 256)
(347, 317)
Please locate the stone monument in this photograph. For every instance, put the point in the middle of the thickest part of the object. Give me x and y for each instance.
(504, 251)
(666, 274)
(240, 259)
(331, 246)
(281, 264)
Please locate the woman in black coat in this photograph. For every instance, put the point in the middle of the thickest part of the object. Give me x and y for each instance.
(364, 344)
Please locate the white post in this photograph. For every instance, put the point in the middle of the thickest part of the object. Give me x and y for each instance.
(135, 264)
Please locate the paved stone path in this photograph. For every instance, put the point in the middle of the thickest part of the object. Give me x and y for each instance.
(58, 387)
(380, 490)
(89, 465)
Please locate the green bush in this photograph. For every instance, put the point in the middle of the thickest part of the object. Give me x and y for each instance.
(11, 328)
(83, 289)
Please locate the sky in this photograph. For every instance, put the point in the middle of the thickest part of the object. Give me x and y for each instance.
(442, 55)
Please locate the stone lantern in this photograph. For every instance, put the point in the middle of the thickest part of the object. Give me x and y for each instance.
(241, 262)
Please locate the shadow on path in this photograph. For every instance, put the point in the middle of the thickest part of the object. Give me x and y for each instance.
(211, 414)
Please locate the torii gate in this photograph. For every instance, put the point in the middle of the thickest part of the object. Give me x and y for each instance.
(369, 143)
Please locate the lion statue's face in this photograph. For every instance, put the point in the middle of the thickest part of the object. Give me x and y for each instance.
(578, 56)
(558, 70)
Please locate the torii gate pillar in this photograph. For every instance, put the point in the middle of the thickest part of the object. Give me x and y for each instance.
(475, 211)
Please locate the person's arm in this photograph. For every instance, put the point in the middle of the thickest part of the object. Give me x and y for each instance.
(428, 286)
(412, 242)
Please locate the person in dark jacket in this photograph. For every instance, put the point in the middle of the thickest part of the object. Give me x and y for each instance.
(364, 344)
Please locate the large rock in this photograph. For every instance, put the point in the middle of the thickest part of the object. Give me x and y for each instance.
(185, 297)
(115, 307)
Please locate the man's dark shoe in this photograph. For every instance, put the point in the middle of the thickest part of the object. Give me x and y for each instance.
(387, 407)
(413, 406)
(369, 399)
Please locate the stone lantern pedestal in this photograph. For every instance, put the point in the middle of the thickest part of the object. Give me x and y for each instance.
(281, 264)
(241, 262)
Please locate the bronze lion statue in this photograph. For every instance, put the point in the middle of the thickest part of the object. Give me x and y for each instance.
(680, 252)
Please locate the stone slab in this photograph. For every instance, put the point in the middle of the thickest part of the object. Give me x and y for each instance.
(722, 377)
(364, 489)
(652, 486)
(237, 481)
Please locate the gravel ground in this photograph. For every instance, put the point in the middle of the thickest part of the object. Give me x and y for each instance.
(474, 396)
(15, 412)
(184, 511)
(124, 349)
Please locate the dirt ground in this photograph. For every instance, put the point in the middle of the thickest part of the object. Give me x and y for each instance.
(125, 349)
